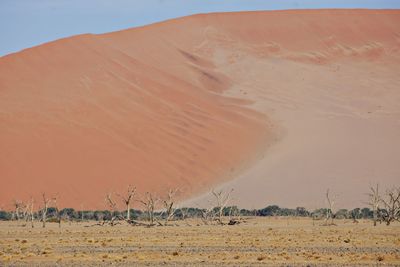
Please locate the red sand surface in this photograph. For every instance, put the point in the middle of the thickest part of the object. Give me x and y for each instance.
(197, 101)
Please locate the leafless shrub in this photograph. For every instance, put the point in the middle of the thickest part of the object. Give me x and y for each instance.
(391, 205)
(149, 202)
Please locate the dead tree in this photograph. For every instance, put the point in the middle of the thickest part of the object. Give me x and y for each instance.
(18, 205)
(21, 210)
(113, 208)
(222, 199)
(169, 205)
(82, 213)
(110, 202)
(127, 200)
(234, 215)
(57, 210)
(46, 202)
(330, 210)
(391, 204)
(24, 211)
(207, 214)
(31, 215)
(150, 202)
(374, 201)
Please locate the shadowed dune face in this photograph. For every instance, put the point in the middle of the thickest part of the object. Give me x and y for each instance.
(197, 101)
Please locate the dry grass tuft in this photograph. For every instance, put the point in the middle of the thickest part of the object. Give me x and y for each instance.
(260, 258)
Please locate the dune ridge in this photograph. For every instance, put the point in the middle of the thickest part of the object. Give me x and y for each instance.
(198, 101)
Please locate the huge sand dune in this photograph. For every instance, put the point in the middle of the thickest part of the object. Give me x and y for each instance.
(278, 105)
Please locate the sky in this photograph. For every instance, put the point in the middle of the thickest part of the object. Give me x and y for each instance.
(26, 23)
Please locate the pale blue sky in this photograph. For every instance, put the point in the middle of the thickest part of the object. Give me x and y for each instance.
(26, 23)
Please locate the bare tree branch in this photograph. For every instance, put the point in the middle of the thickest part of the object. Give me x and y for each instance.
(169, 205)
(391, 204)
(46, 202)
(222, 199)
(331, 200)
(374, 201)
(128, 199)
(113, 208)
(55, 201)
(150, 202)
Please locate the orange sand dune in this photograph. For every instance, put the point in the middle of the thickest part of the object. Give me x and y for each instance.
(198, 101)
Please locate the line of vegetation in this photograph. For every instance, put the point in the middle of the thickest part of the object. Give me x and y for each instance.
(163, 211)
(185, 213)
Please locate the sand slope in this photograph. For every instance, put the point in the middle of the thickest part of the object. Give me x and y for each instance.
(197, 101)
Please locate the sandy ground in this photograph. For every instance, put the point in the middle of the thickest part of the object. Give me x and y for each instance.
(256, 242)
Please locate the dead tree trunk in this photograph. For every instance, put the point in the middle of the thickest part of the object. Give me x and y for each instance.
(149, 203)
(128, 199)
(330, 212)
(207, 215)
(391, 204)
(82, 213)
(222, 198)
(20, 209)
(31, 213)
(46, 202)
(374, 200)
(234, 215)
(57, 211)
(169, 206)
(113, 208)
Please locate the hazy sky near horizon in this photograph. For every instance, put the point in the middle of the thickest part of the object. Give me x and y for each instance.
(26, 23)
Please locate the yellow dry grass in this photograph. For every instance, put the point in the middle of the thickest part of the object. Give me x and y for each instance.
(257, 241)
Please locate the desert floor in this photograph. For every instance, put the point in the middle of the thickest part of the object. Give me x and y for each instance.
(255, 242)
